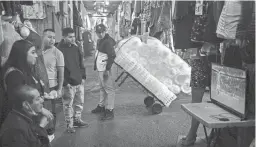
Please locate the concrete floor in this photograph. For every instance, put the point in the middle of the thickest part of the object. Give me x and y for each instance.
(133, 125)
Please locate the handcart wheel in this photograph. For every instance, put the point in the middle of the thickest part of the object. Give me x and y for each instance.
(157, 108)
(149, 101)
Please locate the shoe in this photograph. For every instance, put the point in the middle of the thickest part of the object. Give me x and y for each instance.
(71, 129)
(79, 123)
(51, 137)
(185, 142)
(108, 115)
(98, 109)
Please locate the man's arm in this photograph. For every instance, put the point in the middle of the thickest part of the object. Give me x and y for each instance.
(81, 62)
(60, 69)
(110, 51)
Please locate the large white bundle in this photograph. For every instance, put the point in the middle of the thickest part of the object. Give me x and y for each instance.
(158, 61)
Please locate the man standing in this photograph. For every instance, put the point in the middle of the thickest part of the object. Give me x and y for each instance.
(54, 63)
(74, 72)
(105, 56)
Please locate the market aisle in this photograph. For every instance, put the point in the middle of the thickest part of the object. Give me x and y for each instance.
(132, 126)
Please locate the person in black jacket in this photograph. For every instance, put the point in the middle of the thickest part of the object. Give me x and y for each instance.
(104, 60)
(19, 128)
(74, 73)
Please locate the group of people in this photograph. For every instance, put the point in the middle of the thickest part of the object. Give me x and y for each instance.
(38, 72)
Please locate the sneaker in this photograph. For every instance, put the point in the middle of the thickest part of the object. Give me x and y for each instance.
(71, 129)
(108, 115)
(79, 123)
(98, 109)
(51, 137)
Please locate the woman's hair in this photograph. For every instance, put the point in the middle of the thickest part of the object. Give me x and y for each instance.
(18, 56)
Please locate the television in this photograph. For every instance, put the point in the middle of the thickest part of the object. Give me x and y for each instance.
(228, 89)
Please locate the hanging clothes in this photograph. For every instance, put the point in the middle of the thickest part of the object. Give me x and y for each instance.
(234, 15)
(217, 9)
(164, 21)
(136, 23)
(37, 11)
(211, 25)
(64, 8)
(1, 32)
(154, 20)
(55, 4)
(137, 7)
(57, 28)
(199, 25)
(127, 10)
(11, 8)
(10, 36)
(84, 16)
(87, 43)
(183, 21)
(77, 16)
(247, 25)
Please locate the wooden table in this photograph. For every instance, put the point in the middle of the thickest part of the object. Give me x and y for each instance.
(209, 115)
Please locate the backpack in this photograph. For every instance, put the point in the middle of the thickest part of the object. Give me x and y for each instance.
(4, 109)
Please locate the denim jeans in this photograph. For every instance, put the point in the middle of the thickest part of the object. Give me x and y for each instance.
(50, 104)
(73, 96)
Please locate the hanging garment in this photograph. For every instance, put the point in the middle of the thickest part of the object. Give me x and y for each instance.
(77, 19)
(199, 25)
(84, 16)
(57, 28)
(37, 11)
(217, 9)
(136, 26)
(55, 4)
(183, 25)
(1, 8)
(64, 8)
(233, 15)
(181, 9)
(137, 6)
(127, 10)
(154, 20)
(11, 8)
(164, 19)
(247, 26)
(1, 32)
(210, 27)
(146, 11)
(87, 43)
(10, 36)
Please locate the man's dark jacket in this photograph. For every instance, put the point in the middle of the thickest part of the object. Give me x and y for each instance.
(74, 67)
(106, 45)
(19, 130)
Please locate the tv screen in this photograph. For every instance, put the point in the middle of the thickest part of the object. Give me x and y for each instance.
(228, 88)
